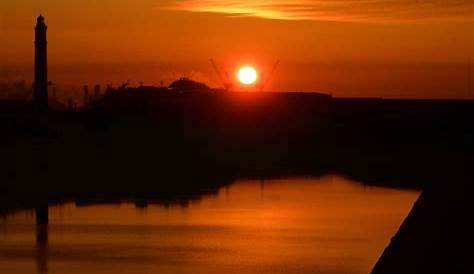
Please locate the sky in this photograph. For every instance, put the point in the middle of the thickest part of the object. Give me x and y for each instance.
(361, 48)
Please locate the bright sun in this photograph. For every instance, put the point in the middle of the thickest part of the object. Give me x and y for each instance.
(247, 75)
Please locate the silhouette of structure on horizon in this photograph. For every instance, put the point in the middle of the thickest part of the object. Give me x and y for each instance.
(188, 85)
(86, 99)
(97, 92)
(41, 66)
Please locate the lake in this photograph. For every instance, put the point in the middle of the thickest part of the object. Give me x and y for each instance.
(296, 225)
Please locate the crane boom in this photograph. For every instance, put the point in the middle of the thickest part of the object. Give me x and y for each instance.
(218, 72)
(268, 78)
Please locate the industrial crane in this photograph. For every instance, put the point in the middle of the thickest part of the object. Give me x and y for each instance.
(269, 77)
(226, 83)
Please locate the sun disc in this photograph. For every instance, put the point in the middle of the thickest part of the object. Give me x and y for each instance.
(247, 75)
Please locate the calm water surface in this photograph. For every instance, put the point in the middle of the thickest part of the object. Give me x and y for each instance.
(323, 225)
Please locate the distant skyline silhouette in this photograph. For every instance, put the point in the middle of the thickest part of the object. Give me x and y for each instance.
(422, 51)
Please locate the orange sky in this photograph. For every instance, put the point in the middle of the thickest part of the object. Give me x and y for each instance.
(410, 49)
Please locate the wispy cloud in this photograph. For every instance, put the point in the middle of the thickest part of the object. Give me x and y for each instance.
(336, 10)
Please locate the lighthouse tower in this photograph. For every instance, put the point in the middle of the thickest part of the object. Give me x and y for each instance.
(41, 66)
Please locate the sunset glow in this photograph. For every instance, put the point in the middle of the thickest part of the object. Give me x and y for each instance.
(232, 136)
(247, 75)
(337, 47)
(328, 10)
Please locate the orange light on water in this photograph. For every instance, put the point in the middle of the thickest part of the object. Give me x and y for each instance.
(247, 75)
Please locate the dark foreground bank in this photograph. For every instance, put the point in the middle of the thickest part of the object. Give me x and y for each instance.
(139, 144)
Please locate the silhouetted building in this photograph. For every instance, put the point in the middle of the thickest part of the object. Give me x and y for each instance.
(96, 92)
(41, 66)
(185, 84)
(86, 95)
(71, 105)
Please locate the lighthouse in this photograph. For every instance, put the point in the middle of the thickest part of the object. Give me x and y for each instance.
(41, 66)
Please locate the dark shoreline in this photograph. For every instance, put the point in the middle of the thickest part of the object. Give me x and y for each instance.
(140, 144)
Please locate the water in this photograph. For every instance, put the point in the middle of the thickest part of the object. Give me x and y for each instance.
(323, 225)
